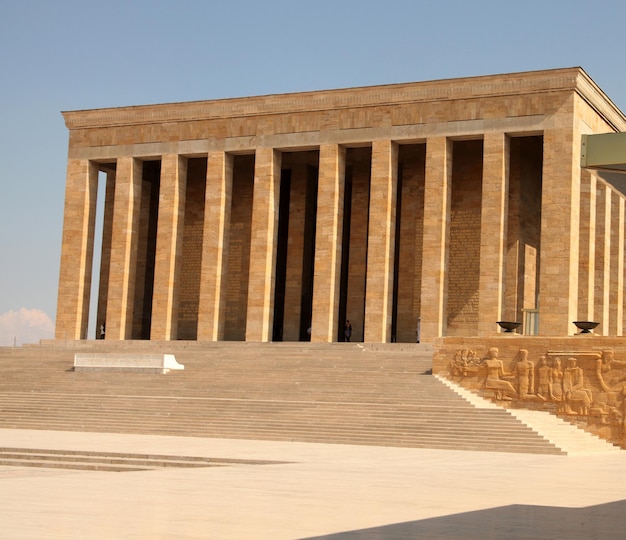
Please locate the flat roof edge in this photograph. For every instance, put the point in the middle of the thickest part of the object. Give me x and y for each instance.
(562, 79)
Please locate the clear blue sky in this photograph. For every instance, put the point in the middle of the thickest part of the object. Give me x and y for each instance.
(58, 55)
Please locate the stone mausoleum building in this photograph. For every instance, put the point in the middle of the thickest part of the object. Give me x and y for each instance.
(432, 208)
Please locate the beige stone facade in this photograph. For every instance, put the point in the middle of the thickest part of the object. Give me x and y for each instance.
(442, 206)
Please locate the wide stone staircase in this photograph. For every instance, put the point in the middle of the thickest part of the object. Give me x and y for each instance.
(342, 393)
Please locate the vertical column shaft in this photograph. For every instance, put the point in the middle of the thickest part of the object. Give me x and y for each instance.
(77, 249)
(603, 257)
(381, 242)
(616, 278)
(264, 240)
(437, 198)
(493, 231)
(560, 218)
(328, 238)
(122, 272)
(215, 246)
(587, 249)
(621, 297)
(168, 247)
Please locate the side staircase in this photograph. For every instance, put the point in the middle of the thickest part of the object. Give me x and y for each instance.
(341, 393)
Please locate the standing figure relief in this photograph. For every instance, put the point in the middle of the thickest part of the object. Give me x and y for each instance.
(587, 387)
(576, 397)
(547, 381)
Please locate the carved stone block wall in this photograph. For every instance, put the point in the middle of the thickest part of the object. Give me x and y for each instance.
(239, 249)
(464, 263)
(411, 215)
(523, 227)
(192, 250)
(580, 378)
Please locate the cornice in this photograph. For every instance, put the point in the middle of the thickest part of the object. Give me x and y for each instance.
(600, 102)
(515, 84)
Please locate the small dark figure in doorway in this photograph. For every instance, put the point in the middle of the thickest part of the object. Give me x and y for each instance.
(102, 331)
(347, 331)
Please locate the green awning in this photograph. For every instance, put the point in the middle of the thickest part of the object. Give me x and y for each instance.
(604, 152)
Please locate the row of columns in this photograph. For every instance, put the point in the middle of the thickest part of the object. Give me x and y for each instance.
(79, 226)
(602, 256)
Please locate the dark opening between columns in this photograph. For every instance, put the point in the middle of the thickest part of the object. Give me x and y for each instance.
(239, 231)
(281, 255)
(146, 253)
(191, 263)
(295, 251)
(308, 253)
(345, 253)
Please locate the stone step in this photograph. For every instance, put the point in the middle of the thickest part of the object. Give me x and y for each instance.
(377, 428)
(292, 430)
(480, 444)
(109, 461)
(331, 393)
(139, 464)
(259, 421)
(573, 440)
(405, 436)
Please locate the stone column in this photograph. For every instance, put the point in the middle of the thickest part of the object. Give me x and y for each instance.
(616, 285)
(587, 248)
(328, 238)
(381, 242)
(79, 220)
(493, 218)
(215, 245)
(621, 266)
(560, 218)
(603, 258)
(437, 196)
(125, 230)
(169, 241)
(264, 240)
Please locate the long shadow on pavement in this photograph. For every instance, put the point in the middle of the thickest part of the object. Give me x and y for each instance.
(518, 522)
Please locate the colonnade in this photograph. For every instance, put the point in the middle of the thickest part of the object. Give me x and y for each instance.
(500, 237)
(601, 296)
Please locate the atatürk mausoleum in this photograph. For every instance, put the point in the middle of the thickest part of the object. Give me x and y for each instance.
(442, 206)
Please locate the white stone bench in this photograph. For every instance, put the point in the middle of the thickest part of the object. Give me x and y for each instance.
(146, 363)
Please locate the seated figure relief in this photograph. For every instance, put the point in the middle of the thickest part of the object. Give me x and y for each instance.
(547, 381)
(495, 379)
(587, 386)
(607, 371)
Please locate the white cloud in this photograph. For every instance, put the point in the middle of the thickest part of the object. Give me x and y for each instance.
(24, 326)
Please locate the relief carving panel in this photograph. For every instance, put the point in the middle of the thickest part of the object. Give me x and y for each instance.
(587, 388)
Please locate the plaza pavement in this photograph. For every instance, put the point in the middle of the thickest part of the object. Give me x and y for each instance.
(334, 492)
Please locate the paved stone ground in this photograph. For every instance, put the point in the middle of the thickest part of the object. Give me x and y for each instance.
(332, 492)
